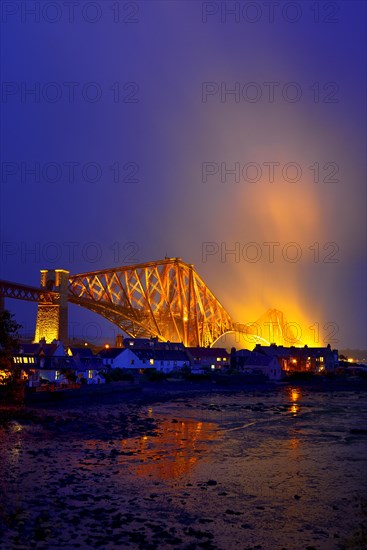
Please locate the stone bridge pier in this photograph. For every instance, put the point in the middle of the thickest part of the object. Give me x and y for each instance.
(52, 317)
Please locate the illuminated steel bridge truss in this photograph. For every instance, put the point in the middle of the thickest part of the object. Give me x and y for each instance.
(166, 299)
(27, 293)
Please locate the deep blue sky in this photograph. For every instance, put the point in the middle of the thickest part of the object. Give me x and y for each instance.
(156, 127)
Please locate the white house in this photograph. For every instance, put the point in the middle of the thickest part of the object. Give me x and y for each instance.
(111, 357)
(159, 359)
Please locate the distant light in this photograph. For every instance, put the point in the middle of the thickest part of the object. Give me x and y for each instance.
(213, 367)
(350, 360)
(294, 361)
(85, 343)
(107, 346)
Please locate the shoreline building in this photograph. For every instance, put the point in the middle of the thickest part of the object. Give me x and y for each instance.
(306, 359)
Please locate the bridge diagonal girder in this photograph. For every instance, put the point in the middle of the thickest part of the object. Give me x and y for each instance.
(166, 299)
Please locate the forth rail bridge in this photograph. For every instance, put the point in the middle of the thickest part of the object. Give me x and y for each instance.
(166, 299)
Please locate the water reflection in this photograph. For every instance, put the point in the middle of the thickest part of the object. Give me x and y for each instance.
(294, 443)
(295, 397)
(172, 453)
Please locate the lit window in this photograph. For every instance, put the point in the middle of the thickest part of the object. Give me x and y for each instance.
(57, 375)
(218, 358)
(90, 374)
(151, 361)
(25, 359)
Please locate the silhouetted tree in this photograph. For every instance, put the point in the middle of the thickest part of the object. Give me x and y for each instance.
(9, 343)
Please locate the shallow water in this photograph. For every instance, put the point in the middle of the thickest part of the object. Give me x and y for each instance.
(267, 470)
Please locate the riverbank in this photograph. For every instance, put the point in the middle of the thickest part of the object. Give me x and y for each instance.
(145, 393)
(189, 467)
(141, 390)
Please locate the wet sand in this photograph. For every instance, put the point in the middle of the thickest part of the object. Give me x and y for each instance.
(166, 468)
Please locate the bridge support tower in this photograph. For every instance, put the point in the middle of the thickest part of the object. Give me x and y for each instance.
(52, 318)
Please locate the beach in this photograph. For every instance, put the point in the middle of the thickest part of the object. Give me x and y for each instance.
(173, 466)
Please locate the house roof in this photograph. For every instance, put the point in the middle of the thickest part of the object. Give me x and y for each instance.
(243, 353)
(48, 350)
(208, 352)
(259, 360)
(292, 351)
(29, 349)
(82, 352)
(161, 354)
(138, 343)
(151, 343)
(110, 353)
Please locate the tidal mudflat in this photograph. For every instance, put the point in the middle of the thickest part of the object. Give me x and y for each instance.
(271, 469)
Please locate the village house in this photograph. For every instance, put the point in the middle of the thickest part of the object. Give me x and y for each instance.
(306, 359)
(110, 357)
(86, 365)
(151, 343)
(50, 363)
(251, 362)
(209, 358)
(42, 362)
(164, 360)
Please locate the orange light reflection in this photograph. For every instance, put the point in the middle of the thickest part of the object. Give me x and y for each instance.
(174, 452)
(295, 396)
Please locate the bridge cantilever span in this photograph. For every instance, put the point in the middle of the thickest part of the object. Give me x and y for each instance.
(166, 299)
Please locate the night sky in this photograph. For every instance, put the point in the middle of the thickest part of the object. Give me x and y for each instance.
(137, 111)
